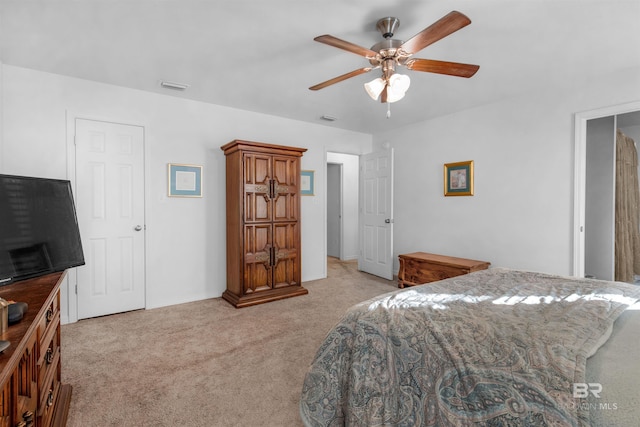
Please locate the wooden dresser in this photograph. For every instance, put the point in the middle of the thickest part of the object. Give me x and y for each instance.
(263, 222)
(421, 267)
(30, 369)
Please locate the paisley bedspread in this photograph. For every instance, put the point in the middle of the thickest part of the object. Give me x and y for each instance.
(493, 348)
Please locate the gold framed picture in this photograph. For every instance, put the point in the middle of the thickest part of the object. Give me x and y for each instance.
(458, 178)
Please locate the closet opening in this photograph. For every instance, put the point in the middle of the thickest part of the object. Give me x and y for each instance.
(607, 233)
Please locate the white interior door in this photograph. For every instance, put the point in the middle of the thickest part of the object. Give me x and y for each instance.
(376, 214)
(110, 209)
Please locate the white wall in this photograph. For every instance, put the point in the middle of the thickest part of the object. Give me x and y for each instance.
(185, 238)
(1, 113)
(350, 175)
(522, 211)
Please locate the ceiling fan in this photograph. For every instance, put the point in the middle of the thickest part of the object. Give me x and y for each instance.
(390, 53)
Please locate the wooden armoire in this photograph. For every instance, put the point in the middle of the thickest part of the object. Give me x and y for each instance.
(263, 222)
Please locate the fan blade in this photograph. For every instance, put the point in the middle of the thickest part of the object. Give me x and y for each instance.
(442, 67)
(446, 25)
(341, 78)
(348, 46)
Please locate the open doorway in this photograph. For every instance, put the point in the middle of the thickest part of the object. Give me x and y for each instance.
(334, 210)
(342, 206)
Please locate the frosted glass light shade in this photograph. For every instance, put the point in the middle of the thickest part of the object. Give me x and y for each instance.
(397, 87)
(375, 87)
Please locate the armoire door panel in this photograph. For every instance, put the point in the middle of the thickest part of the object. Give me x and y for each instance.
(257, 278)
(285, 169)
(285, 175)
(257, 241)
(257, 168)
(285, 235)
(257, 204)
(285, 207)
(261, 167)
(286, 270)
(286, 273)
(257, 187)
(257, 259)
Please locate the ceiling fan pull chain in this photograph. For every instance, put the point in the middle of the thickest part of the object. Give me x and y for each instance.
(388, 110)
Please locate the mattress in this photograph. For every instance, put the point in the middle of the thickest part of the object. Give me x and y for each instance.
(493, 348)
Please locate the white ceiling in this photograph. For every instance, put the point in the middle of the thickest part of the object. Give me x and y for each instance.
(260, 55)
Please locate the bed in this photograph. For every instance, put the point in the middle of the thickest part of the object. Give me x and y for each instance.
(497, 347)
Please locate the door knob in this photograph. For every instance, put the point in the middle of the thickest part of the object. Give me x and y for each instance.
(138, 227)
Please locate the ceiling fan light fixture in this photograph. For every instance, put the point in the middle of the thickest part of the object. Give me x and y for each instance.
(397, 87)
(375, 87)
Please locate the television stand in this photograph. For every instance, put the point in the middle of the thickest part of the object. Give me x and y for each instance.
(31, 390)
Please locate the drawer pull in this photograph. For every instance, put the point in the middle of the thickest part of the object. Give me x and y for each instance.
(49, 315)
(48, 357)
(50, 398)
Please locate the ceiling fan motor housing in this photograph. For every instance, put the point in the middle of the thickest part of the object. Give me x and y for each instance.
(387, 26)
(387, 48)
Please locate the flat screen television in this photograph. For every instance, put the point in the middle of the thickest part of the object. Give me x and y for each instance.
(38, 228)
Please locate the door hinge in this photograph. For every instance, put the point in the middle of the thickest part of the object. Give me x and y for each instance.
(76, 289)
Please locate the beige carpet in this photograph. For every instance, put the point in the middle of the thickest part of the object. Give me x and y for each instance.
(206, 363)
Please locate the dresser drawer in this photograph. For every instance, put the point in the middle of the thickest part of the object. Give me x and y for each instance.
(50, 320)
(50, 391)
(48, 358)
